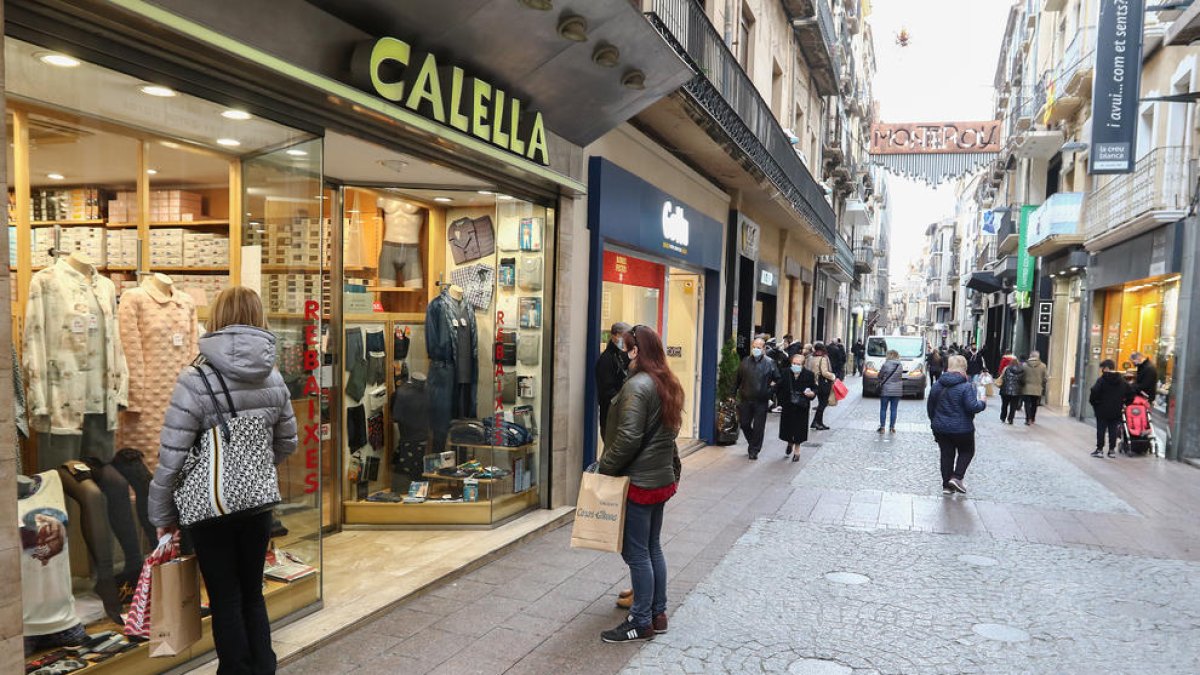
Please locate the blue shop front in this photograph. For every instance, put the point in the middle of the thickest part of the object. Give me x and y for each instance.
(655, 260)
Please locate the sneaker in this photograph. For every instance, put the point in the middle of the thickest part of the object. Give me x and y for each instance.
(879, 430)
(947, 490)
(1111, 453)
(892, 430)
(1098, 453)
(628, 632)
(956, 484)
(659, 624)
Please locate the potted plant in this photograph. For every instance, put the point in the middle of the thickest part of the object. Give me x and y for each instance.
(727, 415)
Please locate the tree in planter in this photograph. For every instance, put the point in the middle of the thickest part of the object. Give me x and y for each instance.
(727, 417)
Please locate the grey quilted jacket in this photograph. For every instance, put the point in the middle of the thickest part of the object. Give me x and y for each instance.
(245, 356)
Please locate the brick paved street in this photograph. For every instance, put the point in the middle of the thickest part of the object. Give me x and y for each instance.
(1058, 563)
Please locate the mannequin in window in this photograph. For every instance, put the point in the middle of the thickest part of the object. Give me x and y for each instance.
(76, 380)
(400, 257)
(452, 341)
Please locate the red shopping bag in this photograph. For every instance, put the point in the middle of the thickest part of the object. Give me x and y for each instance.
(840, 390)
(137, 621)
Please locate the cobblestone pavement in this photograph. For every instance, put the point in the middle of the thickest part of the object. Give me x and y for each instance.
(1004, 470)
(790, 592)
(1096, 568)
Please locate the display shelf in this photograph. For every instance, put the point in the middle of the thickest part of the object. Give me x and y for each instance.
(393, 289)
(528, 447)
(462, 479)
(206, 222)
(43, 223)
(294, 269)
(181, 269)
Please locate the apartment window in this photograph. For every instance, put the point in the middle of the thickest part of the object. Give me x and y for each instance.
(1145, 133)
(745, 39)
(777, 90)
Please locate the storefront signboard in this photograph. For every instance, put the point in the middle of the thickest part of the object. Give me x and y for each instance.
(1115, 87)
(630, 211)
(394, 70)
(1024, 261)
(750, 236)
(1045, 314)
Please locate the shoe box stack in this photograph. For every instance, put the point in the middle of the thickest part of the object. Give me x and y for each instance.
(122, 248)
(173, 206)
(166, 247)
(41, 240)
(202, 287)
(123, 208)
(63, 205)
(205, 249)
(295, 243)
(288, 292)
(90, 241)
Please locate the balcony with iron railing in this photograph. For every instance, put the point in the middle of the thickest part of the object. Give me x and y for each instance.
(1072, 76)
(722, 88)
(1158, 191)
(841, 262)
(939, 296)
(819, 38)
(864, 258)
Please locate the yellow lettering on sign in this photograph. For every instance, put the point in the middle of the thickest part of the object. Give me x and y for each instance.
(514, 122)
(499, 137)
(389, 49)
(481, 95)
(537, 141)
(457, 119)
(427, 87)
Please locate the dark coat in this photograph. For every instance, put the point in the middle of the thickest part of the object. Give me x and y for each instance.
(793, 423)
(649, 463)
(1146, 380)
(952, 405)
(976, 364)
(1108, 395)
(1012, 379)
(935, 362)
(611, 371)
(245, 357)
(755, 377)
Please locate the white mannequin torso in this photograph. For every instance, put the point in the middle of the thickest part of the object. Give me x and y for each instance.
(402, 221)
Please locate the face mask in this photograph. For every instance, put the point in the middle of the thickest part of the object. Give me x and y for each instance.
(756, 352)
(621, 343)
(796, 368)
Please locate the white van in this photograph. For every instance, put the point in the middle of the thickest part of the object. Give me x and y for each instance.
(912, 355)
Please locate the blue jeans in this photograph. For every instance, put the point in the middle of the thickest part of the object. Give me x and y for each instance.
(647, 566)
(884, 402)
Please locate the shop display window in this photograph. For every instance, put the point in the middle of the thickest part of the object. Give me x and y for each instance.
(443, 354)
(1142, 318)
(131, 206)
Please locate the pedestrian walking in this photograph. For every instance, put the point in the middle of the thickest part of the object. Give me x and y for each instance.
(1146, 380)
(1036, 376)
(238, 353)
(1006, 359)
(642, 427)
(818, 363)
(1012, 383)
(611, 371)
(976, 365)
(952, 406)
(757, 377)
(1108, 397)
(935, 364)
(891, 388)
(797, 389)
(860, 352)
(837, 358)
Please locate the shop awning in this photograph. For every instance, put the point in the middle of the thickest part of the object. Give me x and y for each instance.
(984, 282)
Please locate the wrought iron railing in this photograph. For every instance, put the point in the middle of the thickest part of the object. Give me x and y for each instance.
(829, 34)
(864, 256)
(1161, 181)
(724, 90)
(1079, 54)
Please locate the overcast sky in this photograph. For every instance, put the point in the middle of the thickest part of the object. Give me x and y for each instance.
(944, 74)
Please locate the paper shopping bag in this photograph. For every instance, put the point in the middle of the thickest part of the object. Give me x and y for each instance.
(174, 606)
(600, 513)
(137, 620)
(833, 399)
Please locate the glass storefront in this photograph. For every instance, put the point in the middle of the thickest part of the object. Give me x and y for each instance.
(131, 206)
(1141, 317)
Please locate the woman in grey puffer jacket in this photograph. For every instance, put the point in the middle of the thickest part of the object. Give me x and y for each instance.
(231, 550)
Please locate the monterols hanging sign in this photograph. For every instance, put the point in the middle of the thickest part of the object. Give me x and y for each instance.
(1115, 87)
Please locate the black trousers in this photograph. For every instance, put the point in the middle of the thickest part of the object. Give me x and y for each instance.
(1031, 406)
(753, 417)
(1009, 404)
(957, 452)
(1112, 426)
(231, 555)
(822, 403)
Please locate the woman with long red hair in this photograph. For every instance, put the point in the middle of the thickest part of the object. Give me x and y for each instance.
(642, 425)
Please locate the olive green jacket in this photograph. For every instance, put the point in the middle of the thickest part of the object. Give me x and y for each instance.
(649, 463)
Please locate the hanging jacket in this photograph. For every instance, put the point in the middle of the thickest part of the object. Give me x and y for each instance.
(245, 357)
(952, 405)
(442, 323)
(1036, 376)
(1108, 395)
(1012, 379)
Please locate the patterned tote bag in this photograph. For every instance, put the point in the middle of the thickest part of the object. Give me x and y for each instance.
(230, 468)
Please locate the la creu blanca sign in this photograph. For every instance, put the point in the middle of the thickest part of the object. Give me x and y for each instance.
(927, 138)
(391, 68)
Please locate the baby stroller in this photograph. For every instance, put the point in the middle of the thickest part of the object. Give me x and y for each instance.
(1137, 436)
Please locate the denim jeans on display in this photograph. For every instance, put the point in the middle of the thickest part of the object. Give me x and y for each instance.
(356, 365)
(886, 402)
(643, 553)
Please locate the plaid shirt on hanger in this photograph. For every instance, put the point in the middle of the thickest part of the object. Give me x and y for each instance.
(476, 282)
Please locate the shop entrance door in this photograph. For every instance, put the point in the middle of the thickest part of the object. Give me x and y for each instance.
(681, 340)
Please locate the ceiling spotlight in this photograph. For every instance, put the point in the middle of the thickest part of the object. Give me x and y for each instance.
(606, 55)
(233, 114)
(503, 197)
(485, 192)
(543, 5)
(157, 90)
(169, 144)
(573, 27)
(56, 59)
(634, 79)
(397, 165)
(229, 142)
(296, 152)
(443, 200)
(55, 176)
(151, 172)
